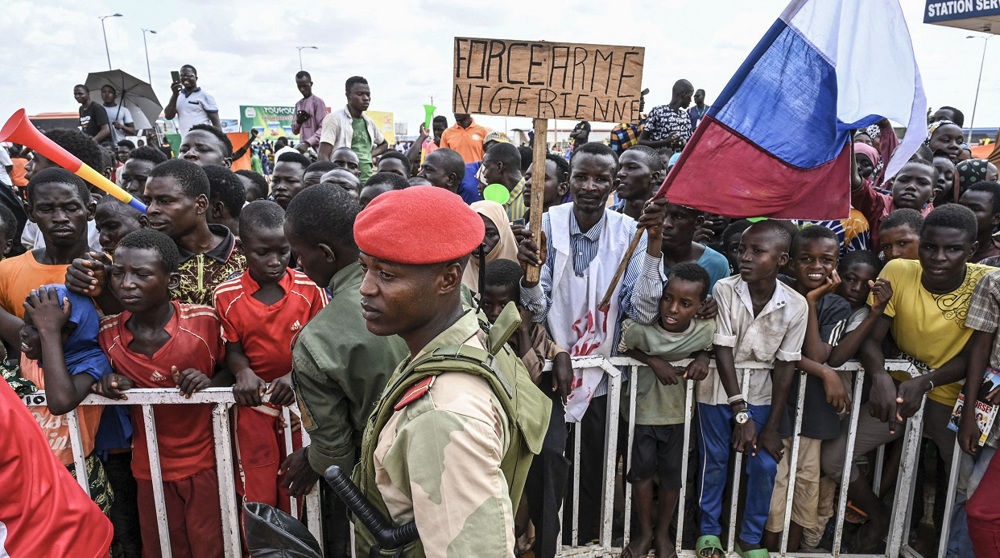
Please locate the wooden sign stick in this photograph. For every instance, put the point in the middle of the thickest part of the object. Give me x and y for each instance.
(541, 126)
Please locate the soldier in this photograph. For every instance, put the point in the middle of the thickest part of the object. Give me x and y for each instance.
(451, 440)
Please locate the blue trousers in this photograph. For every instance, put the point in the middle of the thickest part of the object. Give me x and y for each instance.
(715, 430)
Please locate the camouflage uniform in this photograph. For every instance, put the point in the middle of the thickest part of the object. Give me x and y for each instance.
(450, 448)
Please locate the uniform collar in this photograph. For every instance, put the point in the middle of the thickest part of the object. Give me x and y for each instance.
(345, 278)
(458, 334)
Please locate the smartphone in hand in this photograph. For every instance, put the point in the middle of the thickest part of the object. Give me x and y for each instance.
(175, 76)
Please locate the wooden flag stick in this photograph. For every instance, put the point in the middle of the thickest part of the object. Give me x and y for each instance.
(541, 126)
(606, 301)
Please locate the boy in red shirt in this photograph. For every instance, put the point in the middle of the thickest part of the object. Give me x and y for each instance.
(157, 343)
(262, 312)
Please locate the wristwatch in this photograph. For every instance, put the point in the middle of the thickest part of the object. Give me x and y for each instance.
(742, 416)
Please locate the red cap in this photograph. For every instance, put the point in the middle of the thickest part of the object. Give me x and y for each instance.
(418, 225)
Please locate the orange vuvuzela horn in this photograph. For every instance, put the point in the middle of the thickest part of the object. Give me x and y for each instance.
(19, 129)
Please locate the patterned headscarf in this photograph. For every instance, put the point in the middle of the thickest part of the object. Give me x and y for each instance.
(970, 172)
(933, 128)
(873, 131)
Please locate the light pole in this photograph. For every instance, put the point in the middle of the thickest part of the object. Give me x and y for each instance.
(144, 47)
(106, 51)
(300, 53)
(986, 42)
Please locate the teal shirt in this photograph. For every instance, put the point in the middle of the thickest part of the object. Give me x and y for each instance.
(361, 144)
(339, 370)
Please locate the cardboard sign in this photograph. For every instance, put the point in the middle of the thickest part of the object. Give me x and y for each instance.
(537, 79)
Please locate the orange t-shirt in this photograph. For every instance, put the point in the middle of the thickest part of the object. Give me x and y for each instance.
(468, 142)
(22, 274)
(56, 427)
(17, 176)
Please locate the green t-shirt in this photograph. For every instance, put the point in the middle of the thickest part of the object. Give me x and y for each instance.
(361, 144)
(655, 403)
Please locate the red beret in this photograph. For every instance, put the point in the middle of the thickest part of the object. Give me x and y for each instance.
(418, 225)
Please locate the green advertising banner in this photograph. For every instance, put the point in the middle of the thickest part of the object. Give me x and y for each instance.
(270, 121)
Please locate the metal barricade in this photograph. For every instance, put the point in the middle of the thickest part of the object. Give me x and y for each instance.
(614, 369)
(222, 401)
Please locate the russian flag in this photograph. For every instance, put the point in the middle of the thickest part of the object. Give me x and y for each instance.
(776, 141)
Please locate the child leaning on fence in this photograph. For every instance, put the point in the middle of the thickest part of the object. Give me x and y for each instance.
(262, 312)
(159, 343)
(660, 394)
(759, 333)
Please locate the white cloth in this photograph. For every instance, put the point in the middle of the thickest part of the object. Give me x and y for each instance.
(574, 319)
(776, 333)
(32, 238)
(118, 113)
(4, 163)
(869, 45)
(193, 109)
(338, 130)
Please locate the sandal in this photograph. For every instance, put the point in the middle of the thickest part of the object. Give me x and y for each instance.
(711, 544)
(755, 553)
(855, 515)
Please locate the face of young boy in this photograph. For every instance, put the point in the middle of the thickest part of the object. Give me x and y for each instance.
(681, 300)
(899, 242)
(139, 280)
(943, 254)
(202, 148)
(286, 182)
(946, 174)
(31, 345)
(113, 225)
(591, 180)
(761, 254)
(60, 213)
(814, 261)
(854, 284)
(494, 298)
(913, 186)
(312, 257)
(267, 252)
(981, 203)
(680, 224)
(134, 175)
(170, 209)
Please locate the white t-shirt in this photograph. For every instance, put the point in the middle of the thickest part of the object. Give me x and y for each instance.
(193, 109)
(120, 114)
(4, 163)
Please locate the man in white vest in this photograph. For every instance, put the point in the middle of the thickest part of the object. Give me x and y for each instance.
(582, 246)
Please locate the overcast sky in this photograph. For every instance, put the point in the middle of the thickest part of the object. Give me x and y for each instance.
(245, 51)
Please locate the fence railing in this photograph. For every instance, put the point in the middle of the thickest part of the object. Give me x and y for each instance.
(222, 400)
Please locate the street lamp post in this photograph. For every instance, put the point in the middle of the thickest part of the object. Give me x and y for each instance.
(300, 53)
(986, 42)
(144, 47)
(106, 50)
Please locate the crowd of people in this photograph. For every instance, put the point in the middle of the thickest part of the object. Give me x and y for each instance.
(378, 291)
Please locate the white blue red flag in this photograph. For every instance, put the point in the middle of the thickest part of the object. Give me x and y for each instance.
(776, 141)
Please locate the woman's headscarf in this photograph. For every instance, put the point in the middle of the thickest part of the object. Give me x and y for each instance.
(868, 151)
(969, 172)
(506, 247)
(933, 128)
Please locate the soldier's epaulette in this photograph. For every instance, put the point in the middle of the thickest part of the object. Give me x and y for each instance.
(415, 392)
